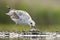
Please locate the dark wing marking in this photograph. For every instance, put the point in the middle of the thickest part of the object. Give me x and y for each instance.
(15, 16)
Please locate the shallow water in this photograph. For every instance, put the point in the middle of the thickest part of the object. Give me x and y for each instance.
(41, 38)
(30, 36)
(23, 38)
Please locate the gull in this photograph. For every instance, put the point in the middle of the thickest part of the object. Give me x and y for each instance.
(21, 17)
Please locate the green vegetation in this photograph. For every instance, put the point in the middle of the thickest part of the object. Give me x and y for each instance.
(15, 27)
(12, 27)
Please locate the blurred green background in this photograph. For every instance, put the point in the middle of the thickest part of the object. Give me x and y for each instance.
(46, 14)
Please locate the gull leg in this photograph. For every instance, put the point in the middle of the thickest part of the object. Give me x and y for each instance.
(23, 28)
(33, 27)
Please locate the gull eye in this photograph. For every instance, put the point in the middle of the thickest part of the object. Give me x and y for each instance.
(30, 23)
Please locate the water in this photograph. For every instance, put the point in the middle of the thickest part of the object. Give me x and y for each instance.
(32, 38)
(50, 37)
(29, 35)
(29, 39)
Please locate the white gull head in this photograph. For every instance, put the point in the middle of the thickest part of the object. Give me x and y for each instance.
(31, 23)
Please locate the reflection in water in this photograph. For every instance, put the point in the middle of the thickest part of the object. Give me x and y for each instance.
(28, 39)
(32, 34)
(42, 36)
